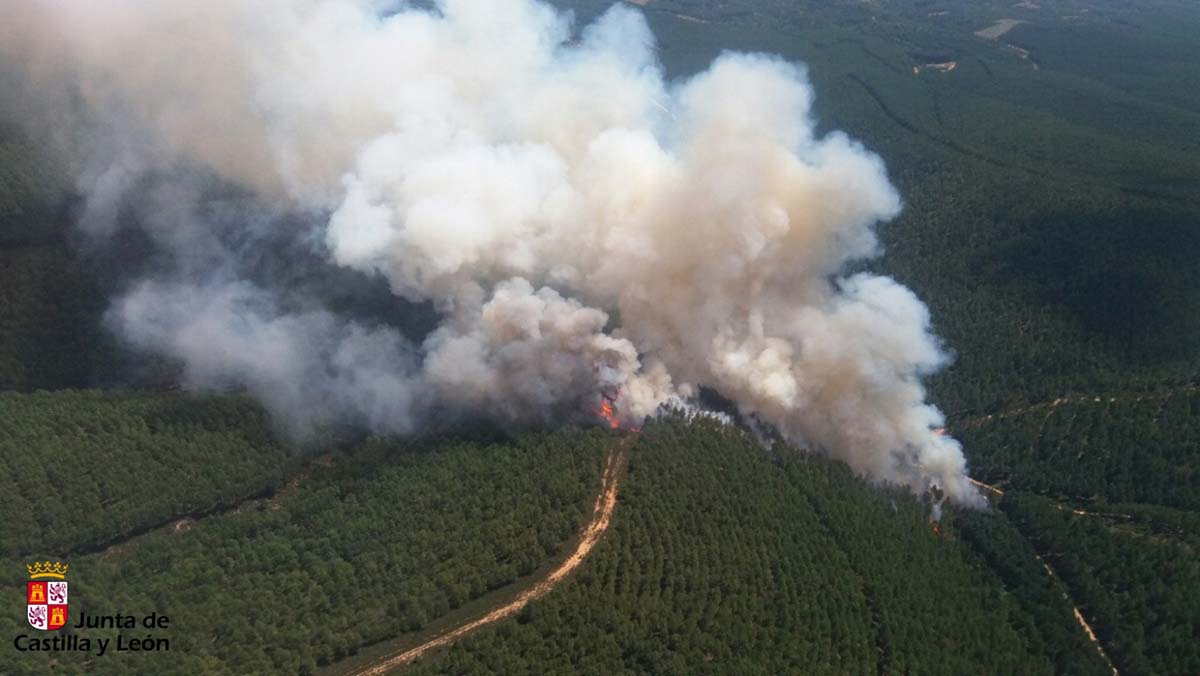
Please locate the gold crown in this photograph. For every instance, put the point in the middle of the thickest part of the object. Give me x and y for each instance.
(39, 570)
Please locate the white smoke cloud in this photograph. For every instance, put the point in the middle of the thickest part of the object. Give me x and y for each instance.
(580, 222)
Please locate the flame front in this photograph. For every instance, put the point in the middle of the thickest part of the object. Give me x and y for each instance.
(609, 413)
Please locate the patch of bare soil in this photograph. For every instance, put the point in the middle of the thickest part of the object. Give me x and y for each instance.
(994, 31)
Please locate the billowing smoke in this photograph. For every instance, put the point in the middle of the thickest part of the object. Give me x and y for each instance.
(579, 223)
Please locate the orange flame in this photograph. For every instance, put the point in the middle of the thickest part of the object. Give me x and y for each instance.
(609, 413)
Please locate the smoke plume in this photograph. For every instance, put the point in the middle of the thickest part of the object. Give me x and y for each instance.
(580, 223)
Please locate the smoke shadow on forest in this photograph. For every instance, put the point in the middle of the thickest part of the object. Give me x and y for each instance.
(1131, 277)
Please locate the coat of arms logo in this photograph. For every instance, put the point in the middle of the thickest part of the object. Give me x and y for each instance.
(46, 595)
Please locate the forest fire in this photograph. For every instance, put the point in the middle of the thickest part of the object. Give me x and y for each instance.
(936, 498)
(609, 413)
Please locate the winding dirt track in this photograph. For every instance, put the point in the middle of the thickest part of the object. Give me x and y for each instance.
(606, 503)
(1049, 406)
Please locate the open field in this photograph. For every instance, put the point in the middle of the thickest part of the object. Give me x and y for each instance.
(994, 31)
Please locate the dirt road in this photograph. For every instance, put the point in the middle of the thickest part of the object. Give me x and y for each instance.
(602, 513)
(1083, 623)
(1049, 406)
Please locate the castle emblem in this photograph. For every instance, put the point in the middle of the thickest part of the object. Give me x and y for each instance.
(46, 595)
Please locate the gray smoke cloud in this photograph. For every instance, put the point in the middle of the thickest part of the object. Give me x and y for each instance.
(580, 223)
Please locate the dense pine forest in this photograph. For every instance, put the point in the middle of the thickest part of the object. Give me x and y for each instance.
(150, 459)
(734, 559)
(367, 544)
(1078, 449)
(1051, 221)
(1135, 571)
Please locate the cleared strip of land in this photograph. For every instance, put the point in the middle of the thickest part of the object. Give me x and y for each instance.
(994, 31)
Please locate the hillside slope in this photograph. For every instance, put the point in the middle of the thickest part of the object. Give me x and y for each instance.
(725, 558)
